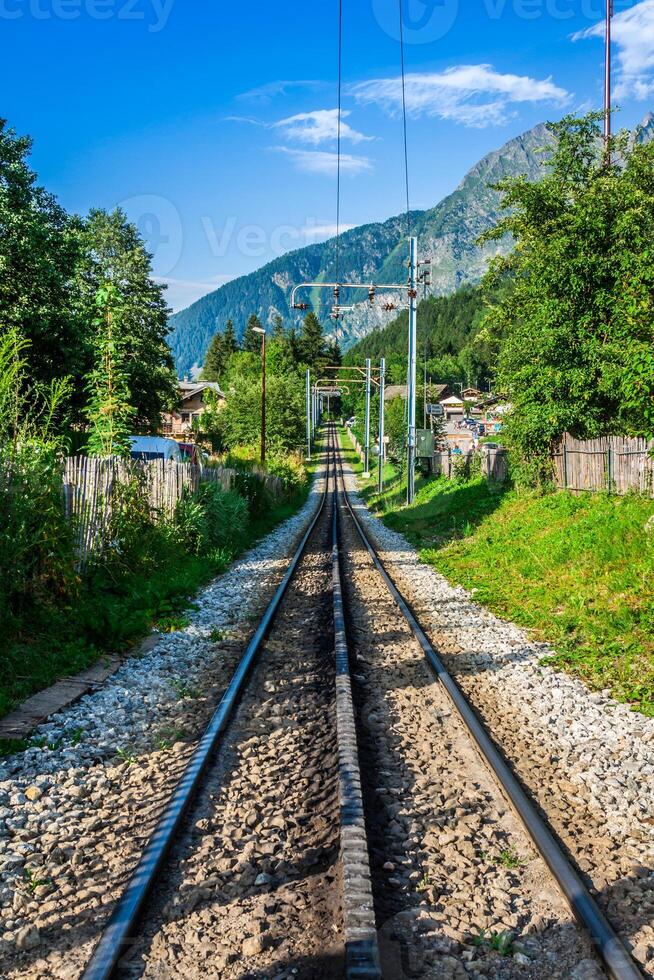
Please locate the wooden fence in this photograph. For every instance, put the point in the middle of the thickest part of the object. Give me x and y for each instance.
(616, 464)
(90, 484)
(494, 463)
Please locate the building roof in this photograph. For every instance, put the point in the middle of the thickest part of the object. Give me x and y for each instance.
(190, 388)
(452, 400)
(436, 392)
(395, 391)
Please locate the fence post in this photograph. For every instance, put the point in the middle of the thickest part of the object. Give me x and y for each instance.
(609, 467)
(565, 466)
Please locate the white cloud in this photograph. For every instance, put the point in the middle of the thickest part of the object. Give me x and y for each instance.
(314, 128)
(633, 36)
(319, 126)
(322, 232)
(473, 95)
(264, 94)
(325, 163)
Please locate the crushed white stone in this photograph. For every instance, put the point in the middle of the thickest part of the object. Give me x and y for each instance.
(602, 744)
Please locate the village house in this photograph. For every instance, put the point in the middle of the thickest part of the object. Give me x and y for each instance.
(473, 395)
(179, 424)
(434, 392)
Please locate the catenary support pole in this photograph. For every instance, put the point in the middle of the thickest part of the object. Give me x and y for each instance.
(263, 398)
(308, 414)
(607, 82)
(366, 447)
(382, 447)
(411, 379)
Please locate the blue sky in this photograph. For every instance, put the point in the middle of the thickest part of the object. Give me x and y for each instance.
(213, 124)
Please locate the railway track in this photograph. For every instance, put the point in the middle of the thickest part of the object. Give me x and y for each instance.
(335, 819)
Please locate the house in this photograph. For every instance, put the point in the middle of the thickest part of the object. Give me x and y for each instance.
(454, 408)
(192, 394)
(434, 392)
(395, 391)
(472, 395)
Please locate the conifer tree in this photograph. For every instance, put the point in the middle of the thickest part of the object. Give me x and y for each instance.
(215, 359)
(278, 328)
(294, 350)
(230, 342)
(334, 353)
(312, 342)
(251, 339)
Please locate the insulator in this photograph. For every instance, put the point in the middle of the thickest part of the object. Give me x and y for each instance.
(300, 306)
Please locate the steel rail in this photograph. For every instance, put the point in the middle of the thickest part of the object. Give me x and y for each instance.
(361, 949)
(608, 944)
(120, 929)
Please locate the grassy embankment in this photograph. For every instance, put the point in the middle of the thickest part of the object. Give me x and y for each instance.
(576, 571)
(110, 612)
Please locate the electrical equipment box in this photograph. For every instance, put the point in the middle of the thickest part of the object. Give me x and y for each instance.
(424, 443)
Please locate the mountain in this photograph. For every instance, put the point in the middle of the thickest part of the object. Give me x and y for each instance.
(447, 234)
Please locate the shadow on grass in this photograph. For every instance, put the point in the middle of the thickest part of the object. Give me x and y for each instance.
(446, 510)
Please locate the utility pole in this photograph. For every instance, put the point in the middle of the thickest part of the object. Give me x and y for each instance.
(313, 411)
(382, 386)
(607, 83)
(424, 403)
(366, 447)
(308, 414)
(411, 379)
(263, 392)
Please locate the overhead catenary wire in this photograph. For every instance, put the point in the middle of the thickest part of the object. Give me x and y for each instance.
(404, 125)
(338, 139)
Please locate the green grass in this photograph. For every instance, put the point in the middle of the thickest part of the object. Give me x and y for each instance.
(110, 616)
(576, 570)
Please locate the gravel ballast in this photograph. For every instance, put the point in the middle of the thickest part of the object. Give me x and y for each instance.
(587, 760)
(77, 809)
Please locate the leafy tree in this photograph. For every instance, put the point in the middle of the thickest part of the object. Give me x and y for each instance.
(240, 419)
(38, 253)
(252, 339)
(575, 318)
(109, 412)
(114, 253)
(312, 342)
(395, 426)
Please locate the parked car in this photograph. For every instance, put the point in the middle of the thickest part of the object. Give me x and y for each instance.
(155, 447)
(491, 445)
(350, 422)
(194, 454)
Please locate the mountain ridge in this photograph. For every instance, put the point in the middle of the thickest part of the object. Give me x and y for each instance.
(447, 234)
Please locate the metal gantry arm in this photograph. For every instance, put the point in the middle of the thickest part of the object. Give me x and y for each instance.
(416, 278)
(336, 287)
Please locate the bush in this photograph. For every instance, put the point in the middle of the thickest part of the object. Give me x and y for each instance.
(212, 521)
(37, 562)
(290, 469)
